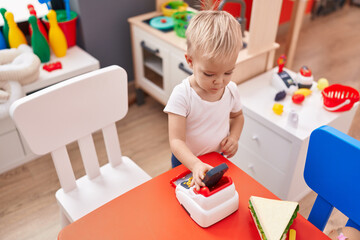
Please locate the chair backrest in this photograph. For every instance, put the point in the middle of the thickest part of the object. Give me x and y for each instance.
(71, 111)
(332, 170)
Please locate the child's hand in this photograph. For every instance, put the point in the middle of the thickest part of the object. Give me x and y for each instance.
(199, 171)
(229, 146)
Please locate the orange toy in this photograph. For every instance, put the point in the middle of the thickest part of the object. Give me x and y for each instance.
(16, 36)
(56, 36)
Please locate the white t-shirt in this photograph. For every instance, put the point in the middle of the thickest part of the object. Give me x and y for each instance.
(207, 123)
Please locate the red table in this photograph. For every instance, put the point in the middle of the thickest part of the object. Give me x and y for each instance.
(151, 211)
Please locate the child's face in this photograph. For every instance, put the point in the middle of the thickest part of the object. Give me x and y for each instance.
(212, 75)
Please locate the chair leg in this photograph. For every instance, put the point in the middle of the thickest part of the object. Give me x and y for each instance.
(320, 213)
(64, 220)
(351, 223)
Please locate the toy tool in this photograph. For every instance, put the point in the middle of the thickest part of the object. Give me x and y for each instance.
(16, 36)
(56, 36)
(212, 203)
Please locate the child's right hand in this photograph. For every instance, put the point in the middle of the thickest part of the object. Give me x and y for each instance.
(199, 170)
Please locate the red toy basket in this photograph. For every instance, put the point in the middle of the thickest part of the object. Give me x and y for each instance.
(339, 98)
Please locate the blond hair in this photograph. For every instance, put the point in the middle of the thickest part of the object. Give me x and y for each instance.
(213, 34)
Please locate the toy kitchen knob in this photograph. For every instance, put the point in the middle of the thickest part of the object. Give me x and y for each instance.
(255, 137)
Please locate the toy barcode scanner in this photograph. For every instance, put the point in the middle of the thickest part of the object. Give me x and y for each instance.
(217, 200)
(281, 79)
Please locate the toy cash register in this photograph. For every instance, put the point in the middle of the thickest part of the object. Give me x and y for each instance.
(281, 79)
(217, 200)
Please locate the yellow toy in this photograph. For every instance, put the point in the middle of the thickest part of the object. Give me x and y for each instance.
(303, 91)
(16, 36)
(57, 38)
(278, 108)
(322, 83)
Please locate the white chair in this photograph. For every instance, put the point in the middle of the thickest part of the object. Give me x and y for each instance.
(71, 111)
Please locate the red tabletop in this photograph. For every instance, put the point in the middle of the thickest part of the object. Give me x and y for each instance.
(151, 211)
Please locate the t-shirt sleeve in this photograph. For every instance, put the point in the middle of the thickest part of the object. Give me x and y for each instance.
(236, 106)
(178, 101)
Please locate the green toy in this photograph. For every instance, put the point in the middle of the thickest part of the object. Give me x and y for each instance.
(38, 42)
(5, 27)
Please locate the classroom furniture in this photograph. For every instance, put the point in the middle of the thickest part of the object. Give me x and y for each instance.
(13, 149)
(152, 211)
(71, 111)
(272, 151)
(158, 57)
(332, 171)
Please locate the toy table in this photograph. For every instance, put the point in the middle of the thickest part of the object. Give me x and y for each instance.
(151, 211)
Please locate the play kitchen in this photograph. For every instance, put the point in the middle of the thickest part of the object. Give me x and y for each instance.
(159, 45)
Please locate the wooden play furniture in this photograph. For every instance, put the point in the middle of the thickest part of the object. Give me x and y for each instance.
(158, 57)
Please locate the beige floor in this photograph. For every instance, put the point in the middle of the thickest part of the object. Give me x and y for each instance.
(330, 46)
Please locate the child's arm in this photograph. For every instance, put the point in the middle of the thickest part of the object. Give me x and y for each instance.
(229, 145)
(177, 137)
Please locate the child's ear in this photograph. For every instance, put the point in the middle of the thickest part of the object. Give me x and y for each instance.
(189, 60)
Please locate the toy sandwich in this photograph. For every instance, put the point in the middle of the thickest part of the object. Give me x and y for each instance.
(272, 218)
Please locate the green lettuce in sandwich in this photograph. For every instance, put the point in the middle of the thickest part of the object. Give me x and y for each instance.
(273, 218)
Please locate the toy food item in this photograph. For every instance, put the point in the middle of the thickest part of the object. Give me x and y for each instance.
(278, 108)
(280, 95)
(52, 66)
(304, 78)
(303, 91)
(272, 218)
(322, 84)
(171, 7)
(298, 98)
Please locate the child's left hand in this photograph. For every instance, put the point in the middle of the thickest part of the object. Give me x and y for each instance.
(229, 146)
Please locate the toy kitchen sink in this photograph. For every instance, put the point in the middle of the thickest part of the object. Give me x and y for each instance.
(212, 203)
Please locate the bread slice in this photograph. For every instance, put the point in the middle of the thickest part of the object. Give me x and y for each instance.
(273, 218)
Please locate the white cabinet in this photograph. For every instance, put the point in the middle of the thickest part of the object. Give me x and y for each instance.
(156, 65)
(270, 150)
